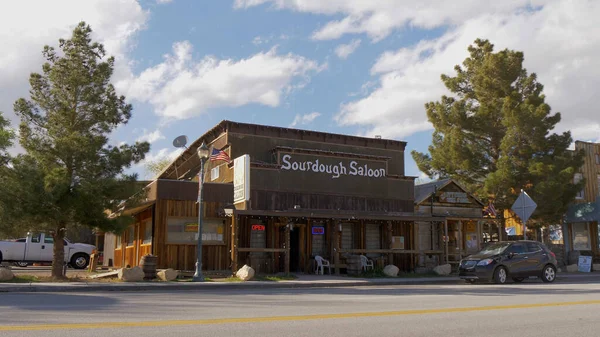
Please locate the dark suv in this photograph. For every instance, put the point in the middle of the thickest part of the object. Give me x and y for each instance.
(516, 259)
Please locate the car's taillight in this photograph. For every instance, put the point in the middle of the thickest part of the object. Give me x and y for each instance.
(553, 255)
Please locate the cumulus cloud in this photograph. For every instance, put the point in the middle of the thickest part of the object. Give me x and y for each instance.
(163, 1)
(344, 50)
(27, 25)
(304, 119)
(379, 18)
(560, 42)
(181, 87)
(151, 137)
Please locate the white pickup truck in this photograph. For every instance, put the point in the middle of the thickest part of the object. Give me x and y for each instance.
(39, 248)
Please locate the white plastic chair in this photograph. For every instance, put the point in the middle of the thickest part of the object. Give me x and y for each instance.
(366, 263)
(321, 263)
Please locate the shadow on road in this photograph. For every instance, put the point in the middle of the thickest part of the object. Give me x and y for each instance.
(55, 301)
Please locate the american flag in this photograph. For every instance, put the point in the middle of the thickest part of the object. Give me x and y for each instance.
(219, 155)
(491, 210)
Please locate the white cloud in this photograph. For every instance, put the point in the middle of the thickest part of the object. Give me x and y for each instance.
(560, 42)
(151, 137)
(344, 50)
(180, 87)
(305, 119)
(378, 18)
(26, 26)
(164, 1)
(258, 40)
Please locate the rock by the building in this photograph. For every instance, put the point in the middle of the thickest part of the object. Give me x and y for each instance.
(135, 274)
(245, 273)
(572, 268)
(443, 269)
(167, 274)
(6, 274)
(391, 270)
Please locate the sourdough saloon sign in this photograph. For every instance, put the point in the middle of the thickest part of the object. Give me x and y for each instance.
(332, 166)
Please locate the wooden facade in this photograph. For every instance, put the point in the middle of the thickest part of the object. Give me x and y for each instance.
(461, 229)
(590, 171)
(311, 193)
(582, 231)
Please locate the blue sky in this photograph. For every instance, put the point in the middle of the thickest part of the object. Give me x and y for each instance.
(353, 67)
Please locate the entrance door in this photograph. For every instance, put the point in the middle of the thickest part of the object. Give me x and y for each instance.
(295, 250)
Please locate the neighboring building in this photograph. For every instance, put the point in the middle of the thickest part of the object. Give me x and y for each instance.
(582, 232)
(462, 230)
(300, 194)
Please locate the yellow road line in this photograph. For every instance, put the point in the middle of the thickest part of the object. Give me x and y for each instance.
(284, 318)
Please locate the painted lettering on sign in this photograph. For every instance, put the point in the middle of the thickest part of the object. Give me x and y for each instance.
(454, 197)
(258, 227)
(318, 230)
(336, 170)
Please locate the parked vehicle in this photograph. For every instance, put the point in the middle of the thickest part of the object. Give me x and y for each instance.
(39, 248)
(503, 260)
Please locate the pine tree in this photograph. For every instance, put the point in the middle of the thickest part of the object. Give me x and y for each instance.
(70, 175)
(493, 135)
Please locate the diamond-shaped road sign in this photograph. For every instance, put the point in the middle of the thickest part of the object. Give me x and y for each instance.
(524, 206)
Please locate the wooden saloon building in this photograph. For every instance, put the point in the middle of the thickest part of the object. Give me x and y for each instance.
(287, 196)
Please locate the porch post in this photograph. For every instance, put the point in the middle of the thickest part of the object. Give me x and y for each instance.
(446, 239)
(479, 235)
(460, 239)
(287, 248)
(234, 236)
(390, 233)
(337, 237)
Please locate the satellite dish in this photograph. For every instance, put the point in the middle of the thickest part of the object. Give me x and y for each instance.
(180, 141)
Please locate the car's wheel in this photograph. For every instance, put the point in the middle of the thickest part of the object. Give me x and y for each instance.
(0, 257)
(549, 273)
(500, 275)
(471, 280)
(80, 261)
(518, 279)
(21, 264)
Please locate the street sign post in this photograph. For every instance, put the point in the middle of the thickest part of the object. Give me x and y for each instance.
(523, 208)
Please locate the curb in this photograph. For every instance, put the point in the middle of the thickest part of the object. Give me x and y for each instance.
(212, 286)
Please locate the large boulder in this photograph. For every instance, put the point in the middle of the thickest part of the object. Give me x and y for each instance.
(6, 274)
(572, 268)
(391, 270)
(135, 274)
(245, 273)
(167, 274)
(443, 269)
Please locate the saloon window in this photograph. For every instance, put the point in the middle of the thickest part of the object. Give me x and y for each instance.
(185, 230)
(319, 246)
(147, 232)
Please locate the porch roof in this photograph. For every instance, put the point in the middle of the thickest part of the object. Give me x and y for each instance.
(347, 215)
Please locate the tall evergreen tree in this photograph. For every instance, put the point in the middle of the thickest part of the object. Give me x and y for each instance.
(6, 139)
(70, 175)
(493, 135)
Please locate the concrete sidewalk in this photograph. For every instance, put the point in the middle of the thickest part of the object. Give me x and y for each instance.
(302, 281)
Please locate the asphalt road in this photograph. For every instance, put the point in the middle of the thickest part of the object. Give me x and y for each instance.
(528, 309)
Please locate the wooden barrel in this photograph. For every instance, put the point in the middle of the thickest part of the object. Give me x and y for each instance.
(353, 265)
(148, 265)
